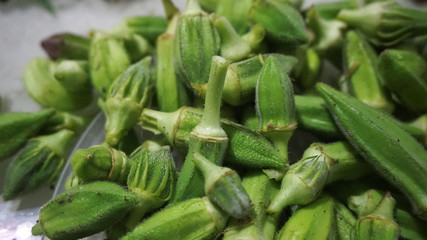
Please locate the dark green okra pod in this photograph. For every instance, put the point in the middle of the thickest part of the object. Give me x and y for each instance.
(261, 226)
(195, 218)
(108, 59)
(40, 162)
(396, 156)
(405, 74)
(223, 187)
(196, 42)
(127, 96)
(100, 162)
(83, 211)
(66, 46)
(386, 23)
(17, 128)
(320, 164)
(207, 138)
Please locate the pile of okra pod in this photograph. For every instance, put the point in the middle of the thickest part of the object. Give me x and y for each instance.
(227, 85)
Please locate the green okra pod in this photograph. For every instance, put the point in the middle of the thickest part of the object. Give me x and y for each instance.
(107, 59)
(307, 69)
(390, 150)
(17, 128)
(236, 12)
(261, 226)
(196, 42)
(405, 74)
(344, 221)
(195, 218)
(148, 27)
(83, 211)
(282, 22)
(330, 10)
(42, 85)
(320, 165)
(386, 23)
(207, 138)
(314, 221)
(362, 73)
(66, 46)
(40, 162)
(245, 147)
(66, 120)
(127, 96)
(100, 162)
(223, 187)
(209, 5)
(73, 75)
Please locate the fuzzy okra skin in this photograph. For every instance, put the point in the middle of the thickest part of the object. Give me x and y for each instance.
(195, 218)
(66, 46)
(83, 211)
(245, 147)
(391, 151)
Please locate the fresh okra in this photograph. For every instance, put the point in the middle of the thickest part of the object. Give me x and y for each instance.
(405, 74)
(308, 67)
(65, 120)
(126, 98)
(148, 27)
(207, 138)
(330, 10)
(83, 211)
(17, 128)
(236, 12)
(321, 164)
(386, 23)
(195, 218)
(40, 162)
(66, 46)
(392, 152)
(223, 187)
(344, 221)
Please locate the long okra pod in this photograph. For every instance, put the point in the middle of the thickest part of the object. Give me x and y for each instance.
(395, 155)
(207, 138)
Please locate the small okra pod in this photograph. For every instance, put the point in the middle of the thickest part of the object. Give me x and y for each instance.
(395, 65)
(344, 221)
(66, 46)
(260, 226)
(40, 162)
(107, 59)
(320, 164)
(152, 178)
(223, 187)
(236, 11)
(73, 75)
(83, 211)
(232, 47)
(245, 147)
(365, 203)
(389, 149)
(282, 22)
(196, 42)
(207, 138)
(379, 224)
(411, 228)
(16, 128)
(330, 10)
(386, 23)
(364, 80)
(127, 96)
(308, 67)
(48, 91)
(171, 94)
(148, 27)
(241, 79)
(100, 162)
(314, 221)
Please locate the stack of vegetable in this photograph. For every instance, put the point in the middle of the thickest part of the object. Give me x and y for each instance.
(230, 86)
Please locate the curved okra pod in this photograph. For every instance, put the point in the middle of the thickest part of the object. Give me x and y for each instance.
(363, 77)
(196, 42)
(66, 46)
(245, 147)
(107, 59)
(223, 187)
(395, 65)
(83, 211)
(207, 138)
(261, 225)
(40, 162)
(127, 96)
(386, 23)
(17, 128)
(282, 22)
(195, 218)
(392, 152)
(320, 165)
(100, 162)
